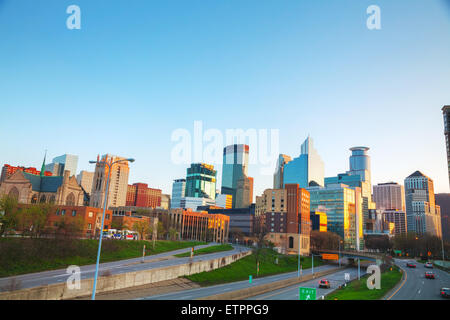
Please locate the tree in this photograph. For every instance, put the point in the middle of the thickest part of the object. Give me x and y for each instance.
(69, 228)
(9, 210)
(236, 233)
(143, 228)
(161, 230)
(173, 234)
(119, 224)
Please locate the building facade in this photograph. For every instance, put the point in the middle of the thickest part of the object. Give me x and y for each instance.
(446, 114)
(278, 182)
(422, 213)
(389, 196)
(307, 168)
(178, 192)
(443, 201)
(140, 195)
(201, 181)
(66, 162)
(8, 171)
(118, 184)
(234, 168)
(85, 179)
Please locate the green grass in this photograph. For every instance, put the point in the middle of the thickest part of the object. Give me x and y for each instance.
(25, 255)
(357, 289)
(241, 269)
(212, 249)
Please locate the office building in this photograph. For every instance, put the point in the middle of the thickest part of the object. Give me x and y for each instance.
(242, 220)
(224, 201)
(234, 168)
(398, 218)
(8, 171)
(244, 192)
(140, 195)
(193, 202)
(62, 163)
(446, 114)
(118, 184)
(165, 201)
(279, 171)
(443, 201)
(85, 179)
(201, 181)
(343, 207)
(389, 196)
(422, 213)
(319, 221)
(307, 169)
(178, 192)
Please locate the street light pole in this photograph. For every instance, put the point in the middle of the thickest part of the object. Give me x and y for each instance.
(110, 164)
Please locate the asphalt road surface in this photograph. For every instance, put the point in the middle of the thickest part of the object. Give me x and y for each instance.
(291, 293)
(199, 293)
(129, 265)
(416, 286)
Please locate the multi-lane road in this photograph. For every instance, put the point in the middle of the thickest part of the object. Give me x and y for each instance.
(200, 293)
(415, 286)
(129, 265)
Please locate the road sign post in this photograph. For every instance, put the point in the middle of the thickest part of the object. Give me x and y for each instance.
(307, 294)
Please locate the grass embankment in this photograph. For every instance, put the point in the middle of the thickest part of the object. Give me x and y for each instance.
(241, 269)
(357, 289)
(212, 249)
(25, 255)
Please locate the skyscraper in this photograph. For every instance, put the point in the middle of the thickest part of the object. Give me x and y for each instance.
(201, 181)
(178, 192)
(389, 196)
(279, 171)
(140, 195)
(118, 183)
(422, 213)
(235, 168)
(62, 163)
(85, 180)
(307, 168)
(446, 113)
(358, 177)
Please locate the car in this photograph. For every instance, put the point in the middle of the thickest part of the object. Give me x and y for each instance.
(428, 265)
(429, 275)
(445, 293)
(411, 265)
(324, 283)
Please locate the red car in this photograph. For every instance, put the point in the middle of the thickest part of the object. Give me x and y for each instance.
(429, 275)
(410, 265)
(324, 284)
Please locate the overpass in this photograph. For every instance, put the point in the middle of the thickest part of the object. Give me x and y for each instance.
(352, 255)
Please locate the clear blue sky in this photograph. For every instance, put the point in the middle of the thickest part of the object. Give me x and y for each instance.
(138, 70)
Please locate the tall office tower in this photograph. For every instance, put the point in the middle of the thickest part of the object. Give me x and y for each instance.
(85, 179)
(446, 112)
(244, 192)
(389, 196)
(358, 177)
(178, 192)
(224, 200)
(298, 209)
(62, 163)
(398, 218)
(279, 171)
(422, 213)
(118, 183)
(306, 169)
(140, 195)
(201, 181)
(234, 168)
(343, 207)
(443, 201)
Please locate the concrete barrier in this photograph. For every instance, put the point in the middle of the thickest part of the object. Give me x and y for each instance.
(268, 287)
(120, 281)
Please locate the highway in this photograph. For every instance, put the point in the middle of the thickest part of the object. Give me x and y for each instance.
(129, 265)
(292, 292)
(199, 293)
(416, 286)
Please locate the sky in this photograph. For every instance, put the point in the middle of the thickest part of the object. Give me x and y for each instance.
(139, 70)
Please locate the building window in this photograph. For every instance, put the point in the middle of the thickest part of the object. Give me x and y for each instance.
(89, 226)
(57, 212)
(91, 214)
(63, 212)
(291, 242)
(74, 213)
(107, 217)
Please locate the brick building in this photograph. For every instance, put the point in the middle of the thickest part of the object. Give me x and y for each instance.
(140, 195)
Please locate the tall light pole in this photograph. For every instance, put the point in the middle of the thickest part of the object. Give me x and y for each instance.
(109, 164)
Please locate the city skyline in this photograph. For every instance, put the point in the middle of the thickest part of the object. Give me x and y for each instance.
(302, 68)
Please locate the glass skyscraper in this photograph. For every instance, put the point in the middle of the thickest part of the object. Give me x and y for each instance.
(343, 208)
(305, 169)
(234, 168)
(178, 190)
(201, 181)
(62, 163)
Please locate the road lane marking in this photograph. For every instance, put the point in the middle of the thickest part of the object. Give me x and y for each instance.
(404, 281)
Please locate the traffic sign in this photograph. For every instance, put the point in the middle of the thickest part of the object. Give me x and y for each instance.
(328, 256)
(307, 294)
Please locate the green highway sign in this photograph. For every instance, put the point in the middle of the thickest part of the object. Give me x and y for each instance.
(307, 294)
